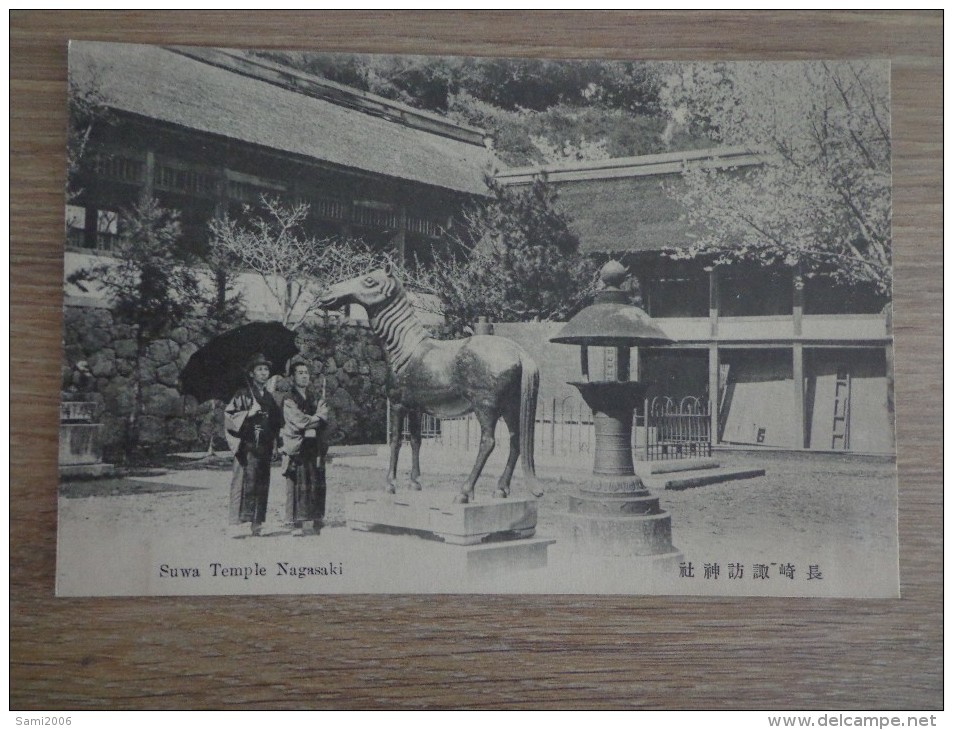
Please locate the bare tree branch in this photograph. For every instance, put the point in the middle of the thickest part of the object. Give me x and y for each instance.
(293, 267)
(823, 191)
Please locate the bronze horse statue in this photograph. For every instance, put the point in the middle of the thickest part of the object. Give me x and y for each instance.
(489, 376)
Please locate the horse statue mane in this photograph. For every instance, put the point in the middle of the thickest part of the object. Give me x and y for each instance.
(491, 377)
(397, 325)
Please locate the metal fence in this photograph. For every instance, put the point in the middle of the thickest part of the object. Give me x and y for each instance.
(677, 429)
(564, 427)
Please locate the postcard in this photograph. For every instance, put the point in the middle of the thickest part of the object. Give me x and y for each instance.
(342, 323)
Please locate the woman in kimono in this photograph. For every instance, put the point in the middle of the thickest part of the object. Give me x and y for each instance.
(252, 422)
(305, 446)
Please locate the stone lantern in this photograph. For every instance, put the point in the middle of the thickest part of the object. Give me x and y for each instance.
(613, 514)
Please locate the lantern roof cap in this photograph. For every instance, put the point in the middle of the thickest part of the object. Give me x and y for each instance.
(611, 321)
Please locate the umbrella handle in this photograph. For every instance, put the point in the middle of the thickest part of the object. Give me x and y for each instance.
(251, 389)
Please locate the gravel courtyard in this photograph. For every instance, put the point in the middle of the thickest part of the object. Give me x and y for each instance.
(836, 513)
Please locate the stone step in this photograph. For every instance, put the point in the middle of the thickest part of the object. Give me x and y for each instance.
(591, 504)
(491, 558)
(700, 478)
(73, 471)
(647, 468)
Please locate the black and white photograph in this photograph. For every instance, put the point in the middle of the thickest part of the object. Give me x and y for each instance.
(344, 323)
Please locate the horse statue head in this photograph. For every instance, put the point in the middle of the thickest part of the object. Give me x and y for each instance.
(372, 291)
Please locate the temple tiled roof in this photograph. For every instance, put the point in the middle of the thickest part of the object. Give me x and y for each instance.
(173, 87)
(625, 204)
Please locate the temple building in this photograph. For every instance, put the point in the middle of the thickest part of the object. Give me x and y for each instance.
(793, 367)
(209, 131)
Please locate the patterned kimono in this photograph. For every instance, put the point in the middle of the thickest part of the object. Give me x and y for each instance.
(305, 446)
(252, 440)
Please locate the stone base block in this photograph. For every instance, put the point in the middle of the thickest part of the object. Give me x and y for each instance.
(80, 443)
(645, 468)
(611, 504)
(687, 480)
(85, 471)
(527, 554)
(435, 515)
(614, 485)
(621, 536)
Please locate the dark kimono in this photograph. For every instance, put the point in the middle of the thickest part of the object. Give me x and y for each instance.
(252, 440)
(304, 445)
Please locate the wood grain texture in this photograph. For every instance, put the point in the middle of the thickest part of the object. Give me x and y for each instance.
(493, 651)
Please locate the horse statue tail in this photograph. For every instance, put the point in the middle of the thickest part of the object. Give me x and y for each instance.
(529, 392)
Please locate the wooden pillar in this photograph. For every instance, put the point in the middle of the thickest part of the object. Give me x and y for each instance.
(346, 227)
(800, 435)
(400, 240)
(221, 199)
(714, 357)
(797, 355)
(714, 389)
(888, 361)
(797, 310)
(149, 175)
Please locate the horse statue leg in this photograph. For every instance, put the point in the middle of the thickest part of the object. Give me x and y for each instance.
(397, 412)
(414, 423)
(519, 414)
(512, 421)
(487, 442)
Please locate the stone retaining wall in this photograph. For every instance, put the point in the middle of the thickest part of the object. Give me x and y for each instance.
(100, 362)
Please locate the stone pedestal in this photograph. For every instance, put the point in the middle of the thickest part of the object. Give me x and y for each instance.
(80, 444)
(435, 514)
(613, 514)
(80, 441)
(616, 516)
(479, 537)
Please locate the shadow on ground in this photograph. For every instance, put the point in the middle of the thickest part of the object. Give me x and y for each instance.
(118, 488)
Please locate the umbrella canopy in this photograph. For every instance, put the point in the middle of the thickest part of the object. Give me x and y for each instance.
(217, 370)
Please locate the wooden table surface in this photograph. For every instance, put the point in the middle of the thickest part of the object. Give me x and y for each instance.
(477, 651)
